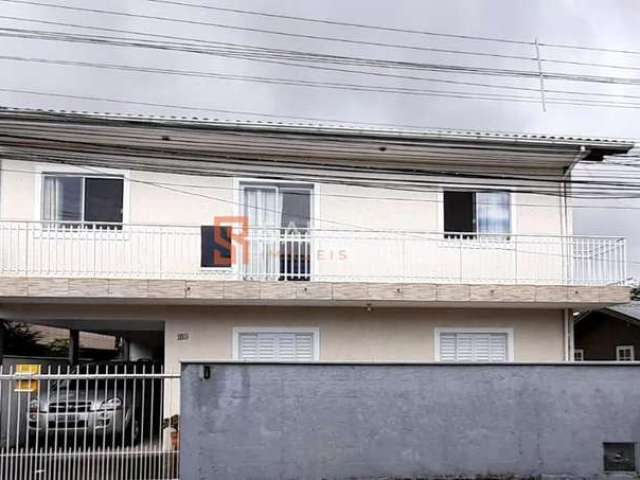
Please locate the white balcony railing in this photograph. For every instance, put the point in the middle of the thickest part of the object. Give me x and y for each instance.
(38, 249)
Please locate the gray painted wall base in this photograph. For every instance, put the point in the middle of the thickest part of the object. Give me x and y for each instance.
(327, 421)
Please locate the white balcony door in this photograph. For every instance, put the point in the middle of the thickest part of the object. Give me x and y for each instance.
(262, 210)
(278, 218)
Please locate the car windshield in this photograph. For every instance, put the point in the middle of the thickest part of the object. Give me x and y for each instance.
(99, 383)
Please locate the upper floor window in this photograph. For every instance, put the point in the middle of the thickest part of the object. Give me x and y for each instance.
(287, 207)
(82, 200)
(477, 212)
(625, 353)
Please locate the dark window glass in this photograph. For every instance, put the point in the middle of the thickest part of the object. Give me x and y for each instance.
(215, 246)
(103, 200)
(459, 212)
(294, 250)
(296, 209)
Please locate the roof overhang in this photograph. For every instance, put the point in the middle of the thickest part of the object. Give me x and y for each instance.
(303, 144)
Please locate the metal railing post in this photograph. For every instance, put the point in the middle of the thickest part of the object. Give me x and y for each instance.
(404, 257)
(460, 240)
(157, 251)
(624, 261)
(26, 248)
(515, 259)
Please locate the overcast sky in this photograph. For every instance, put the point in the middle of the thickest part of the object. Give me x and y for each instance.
(611, 24)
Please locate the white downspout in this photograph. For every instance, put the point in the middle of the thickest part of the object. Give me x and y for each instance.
(569, 345)
(567, 229)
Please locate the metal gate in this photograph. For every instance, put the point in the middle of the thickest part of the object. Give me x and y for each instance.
(99, 421)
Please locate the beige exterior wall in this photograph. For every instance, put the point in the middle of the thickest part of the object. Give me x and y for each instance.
(346, 333)
(354, 334)
(149, 201)
(169, 199)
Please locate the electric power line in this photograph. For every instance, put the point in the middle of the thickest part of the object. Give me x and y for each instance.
(363, 197)
(345, 24)
(397, 29)
(409, 234)
(339, 122)
(223, 26)
(209, 42)
(257, 164)
(329, 85)
(242, 28)
(265, 55)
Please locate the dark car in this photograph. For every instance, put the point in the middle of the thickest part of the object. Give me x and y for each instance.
(99, 402)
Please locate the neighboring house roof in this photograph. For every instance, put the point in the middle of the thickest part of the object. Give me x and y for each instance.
(87, 339)
(629, 312)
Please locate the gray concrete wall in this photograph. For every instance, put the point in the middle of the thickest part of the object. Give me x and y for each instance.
(326, 421)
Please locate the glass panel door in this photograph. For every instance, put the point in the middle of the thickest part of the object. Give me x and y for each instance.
(263, 217)
(279, 218)
(295, 246)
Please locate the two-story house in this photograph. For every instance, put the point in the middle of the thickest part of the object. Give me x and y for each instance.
(260, 241)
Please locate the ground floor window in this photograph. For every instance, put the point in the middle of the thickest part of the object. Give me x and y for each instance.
(276, 344)
(625, 353)
(468, 345)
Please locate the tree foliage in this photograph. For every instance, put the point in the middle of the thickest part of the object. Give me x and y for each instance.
(20, 339)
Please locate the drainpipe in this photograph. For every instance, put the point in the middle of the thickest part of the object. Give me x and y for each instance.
(565, 224)
(566, 230)
(568, 335)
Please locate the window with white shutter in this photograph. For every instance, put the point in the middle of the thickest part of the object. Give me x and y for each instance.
(272, 345)
(472, 346)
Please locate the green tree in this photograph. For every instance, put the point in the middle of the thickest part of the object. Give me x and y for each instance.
(20, 339)
(59, 347)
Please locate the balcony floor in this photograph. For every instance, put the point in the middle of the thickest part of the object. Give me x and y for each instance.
(212, 292)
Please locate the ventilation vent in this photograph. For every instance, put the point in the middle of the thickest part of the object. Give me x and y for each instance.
(619, 457)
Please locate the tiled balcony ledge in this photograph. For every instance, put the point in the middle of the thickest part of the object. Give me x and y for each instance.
(64, 290)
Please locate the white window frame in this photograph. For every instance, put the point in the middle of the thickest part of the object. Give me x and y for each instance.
(578, 352)
(77, 171)
(444, 330)
(315, 331)
(239, 185)
(512, 206)
(621, 348)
